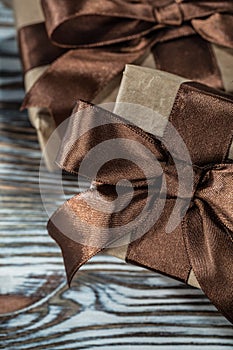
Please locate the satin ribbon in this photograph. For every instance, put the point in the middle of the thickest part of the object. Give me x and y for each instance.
(91, 41)
(203, 241)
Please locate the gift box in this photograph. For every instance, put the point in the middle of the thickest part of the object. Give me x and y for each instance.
(38, 52)
(171, 141)
(65, 59)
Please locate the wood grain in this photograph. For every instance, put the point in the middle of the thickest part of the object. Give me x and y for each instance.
(111, 305)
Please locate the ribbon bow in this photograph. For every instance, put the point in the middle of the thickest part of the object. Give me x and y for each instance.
(202, 239)
(91, 41)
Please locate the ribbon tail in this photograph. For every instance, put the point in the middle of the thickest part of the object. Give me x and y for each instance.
(62, 228)
(74, 254)
(210, 250)
(87, 224)
(78, 74)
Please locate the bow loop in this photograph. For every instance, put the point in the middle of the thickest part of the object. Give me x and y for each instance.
(208, 233)
(93, 130)
(96, 23)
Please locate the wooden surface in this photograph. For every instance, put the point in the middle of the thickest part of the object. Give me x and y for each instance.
(111, 305)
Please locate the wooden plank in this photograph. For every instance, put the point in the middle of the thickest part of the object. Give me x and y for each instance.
(111, 305)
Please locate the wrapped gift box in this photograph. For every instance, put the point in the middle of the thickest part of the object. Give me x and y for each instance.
(60, 52)
(198, 248)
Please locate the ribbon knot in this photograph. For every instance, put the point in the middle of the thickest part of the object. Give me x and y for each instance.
(170, 15)
(201, 178)
(215, 188)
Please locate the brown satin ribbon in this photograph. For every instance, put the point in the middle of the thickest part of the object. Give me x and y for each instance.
(203, 241)
(92, 41)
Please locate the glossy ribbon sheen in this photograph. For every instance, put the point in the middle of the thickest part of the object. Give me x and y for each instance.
(203, 241)
(92, 41)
